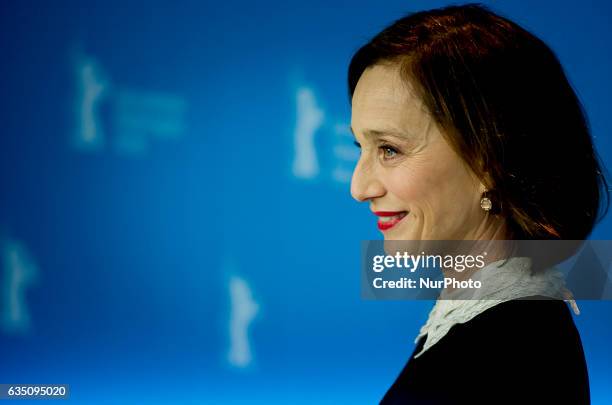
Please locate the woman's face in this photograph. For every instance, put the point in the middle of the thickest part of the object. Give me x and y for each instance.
(406, 167)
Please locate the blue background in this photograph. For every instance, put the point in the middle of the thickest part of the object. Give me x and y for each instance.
(120, 245)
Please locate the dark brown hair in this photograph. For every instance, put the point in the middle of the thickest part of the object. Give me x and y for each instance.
(503, 102)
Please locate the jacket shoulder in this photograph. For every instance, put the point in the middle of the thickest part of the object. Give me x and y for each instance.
(522, 351)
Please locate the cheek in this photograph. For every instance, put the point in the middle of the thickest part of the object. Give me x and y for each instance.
(430, 191)
(408, 185)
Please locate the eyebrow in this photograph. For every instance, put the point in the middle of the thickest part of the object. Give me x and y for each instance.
(377, 133)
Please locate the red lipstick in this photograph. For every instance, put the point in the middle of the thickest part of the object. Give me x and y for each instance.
(392, 218)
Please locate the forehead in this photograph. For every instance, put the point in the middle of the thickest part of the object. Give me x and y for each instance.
(383, 98)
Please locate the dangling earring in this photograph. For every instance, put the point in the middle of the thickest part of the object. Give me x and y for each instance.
(485, 202)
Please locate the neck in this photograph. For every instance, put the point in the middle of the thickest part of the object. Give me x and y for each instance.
(489, 246)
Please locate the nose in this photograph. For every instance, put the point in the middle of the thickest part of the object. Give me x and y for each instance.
(365, 183)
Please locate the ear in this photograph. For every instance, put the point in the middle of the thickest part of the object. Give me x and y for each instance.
(484, 177)
(486, 183)
(482, 188)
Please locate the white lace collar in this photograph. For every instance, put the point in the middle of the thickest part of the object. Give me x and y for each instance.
(511, 281)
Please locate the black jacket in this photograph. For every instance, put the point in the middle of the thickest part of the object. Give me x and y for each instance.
(517, 352)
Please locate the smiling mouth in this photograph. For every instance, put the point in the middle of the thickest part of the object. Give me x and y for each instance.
(388, 219)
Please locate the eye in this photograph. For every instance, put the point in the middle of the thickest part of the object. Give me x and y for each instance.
(357, 144)
(389, 152)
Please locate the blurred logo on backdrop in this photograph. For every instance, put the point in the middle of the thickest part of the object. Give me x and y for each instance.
(243, 310)
(323, 149)
(19, 272)
(109, 116)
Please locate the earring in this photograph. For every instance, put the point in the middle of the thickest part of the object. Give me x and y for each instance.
(485, 202)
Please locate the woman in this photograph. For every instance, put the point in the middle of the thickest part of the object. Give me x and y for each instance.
(470, 130)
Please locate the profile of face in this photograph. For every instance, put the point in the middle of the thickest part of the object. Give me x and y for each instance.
(415, 183)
